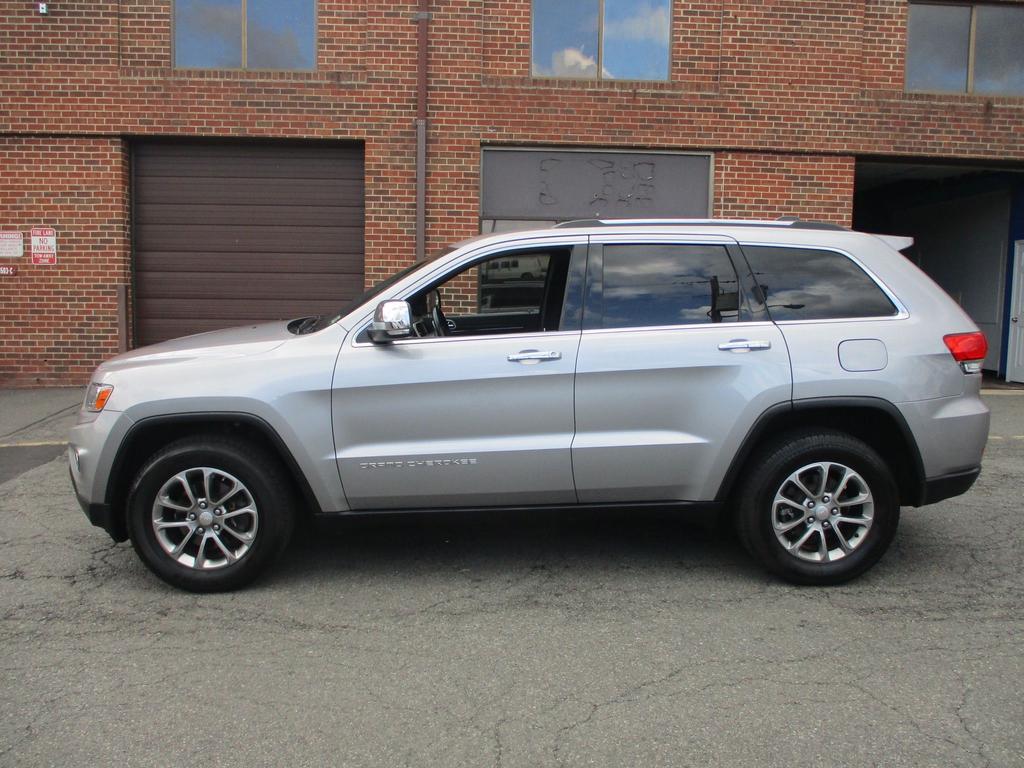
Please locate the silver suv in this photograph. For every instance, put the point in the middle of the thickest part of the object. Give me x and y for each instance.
(801, 378)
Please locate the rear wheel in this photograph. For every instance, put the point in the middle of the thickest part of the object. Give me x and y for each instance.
(210, 514)
(818, 507)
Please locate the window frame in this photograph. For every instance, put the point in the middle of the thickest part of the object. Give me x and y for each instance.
(901, 310)
(593, 297)
(971, 49)
(599, 77)
(244, 31)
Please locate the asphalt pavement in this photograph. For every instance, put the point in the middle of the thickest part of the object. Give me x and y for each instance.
(33, 427)
(510, 640)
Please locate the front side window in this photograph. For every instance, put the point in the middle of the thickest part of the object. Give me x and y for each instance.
(602, 39)
(659, 285)
(245, 34)
(965, 49)
(811, 284)
(501, 295)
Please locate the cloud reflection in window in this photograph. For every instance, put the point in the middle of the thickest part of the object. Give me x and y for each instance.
(654, 285)
(809, 284)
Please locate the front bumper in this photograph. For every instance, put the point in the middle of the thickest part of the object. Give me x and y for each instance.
(100, 515)
(92, 445)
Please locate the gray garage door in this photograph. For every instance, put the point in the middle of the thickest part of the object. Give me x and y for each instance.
(230, 234)
(523, 188)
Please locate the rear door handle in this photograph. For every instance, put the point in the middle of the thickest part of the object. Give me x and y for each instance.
(533, 356)
(743, 345)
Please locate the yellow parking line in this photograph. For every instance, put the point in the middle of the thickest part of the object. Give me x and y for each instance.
(1002, 391)
(33, 444)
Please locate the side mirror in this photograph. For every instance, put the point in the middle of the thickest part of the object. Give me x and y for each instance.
(391, 320)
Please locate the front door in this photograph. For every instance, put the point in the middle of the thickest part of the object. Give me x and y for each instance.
(478, 414)
(1015, 353)
(676, 362)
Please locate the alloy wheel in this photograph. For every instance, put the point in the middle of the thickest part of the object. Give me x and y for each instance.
(205, 518)
(822, 512)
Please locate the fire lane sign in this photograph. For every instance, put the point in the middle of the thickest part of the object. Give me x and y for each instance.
(12, 245)
(44, 245)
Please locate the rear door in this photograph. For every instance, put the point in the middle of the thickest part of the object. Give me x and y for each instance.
(677, 360)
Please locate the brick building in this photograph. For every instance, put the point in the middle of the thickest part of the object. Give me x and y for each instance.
(213, 162)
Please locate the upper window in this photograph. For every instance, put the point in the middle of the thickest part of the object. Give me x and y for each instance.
(654, 285)
(245, 34)
(810, 284)
(965, 49)
(602, 39)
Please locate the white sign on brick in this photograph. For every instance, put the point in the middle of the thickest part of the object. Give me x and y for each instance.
(44, 245)
(12, 245)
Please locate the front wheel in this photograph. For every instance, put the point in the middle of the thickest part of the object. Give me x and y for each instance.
(818, 507)
(209, 514)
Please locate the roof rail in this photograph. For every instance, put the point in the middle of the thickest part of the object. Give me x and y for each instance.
(784, 221)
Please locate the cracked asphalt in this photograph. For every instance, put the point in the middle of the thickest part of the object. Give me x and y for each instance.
(516, 640)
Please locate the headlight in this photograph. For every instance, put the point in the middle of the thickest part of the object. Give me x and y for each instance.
(97, 395)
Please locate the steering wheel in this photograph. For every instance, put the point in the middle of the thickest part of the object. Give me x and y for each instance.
(436, 315)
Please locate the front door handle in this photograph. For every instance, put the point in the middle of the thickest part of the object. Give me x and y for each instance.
(533, 356)
(743, 345)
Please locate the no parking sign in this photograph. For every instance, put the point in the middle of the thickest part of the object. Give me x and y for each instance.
(44, 245)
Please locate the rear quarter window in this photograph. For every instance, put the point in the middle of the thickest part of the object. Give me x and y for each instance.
(813, 284)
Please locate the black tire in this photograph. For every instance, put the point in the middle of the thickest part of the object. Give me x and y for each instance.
(265, 486)
(769, 469)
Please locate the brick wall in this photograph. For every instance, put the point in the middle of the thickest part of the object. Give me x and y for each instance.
(753, 185)
(786, 94)
(58, 321)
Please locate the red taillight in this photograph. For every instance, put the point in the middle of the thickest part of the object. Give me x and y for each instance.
(967, 347)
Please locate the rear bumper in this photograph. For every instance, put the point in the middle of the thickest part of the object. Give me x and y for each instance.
(950, 432)
(946, 486)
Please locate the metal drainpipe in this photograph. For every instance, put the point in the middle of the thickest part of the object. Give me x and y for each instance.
(422, 17)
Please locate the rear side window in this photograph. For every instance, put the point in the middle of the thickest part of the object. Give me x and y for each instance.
(652, 285)
(811, 284)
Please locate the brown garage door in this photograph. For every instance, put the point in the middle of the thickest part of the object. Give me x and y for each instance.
(230, 234)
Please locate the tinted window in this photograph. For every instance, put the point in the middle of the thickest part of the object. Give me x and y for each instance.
(276, 35)
(498, 285)
(999, 62)
(636, 39)
(938, 42)
(601, 39)
(650, 285)
(208, 33)
(504, 294)
(565, 38)
(942, 57)
(808, 284)
(280, 34)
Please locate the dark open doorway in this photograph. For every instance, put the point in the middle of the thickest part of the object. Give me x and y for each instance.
(964, 220)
